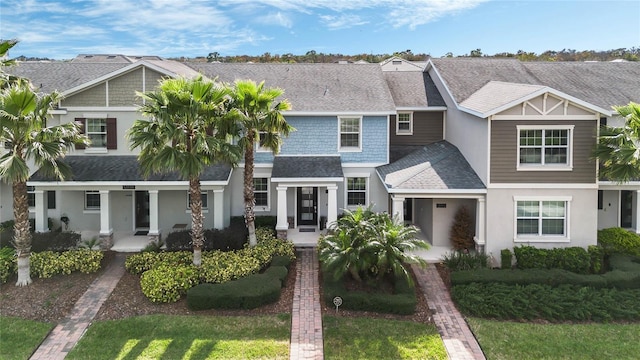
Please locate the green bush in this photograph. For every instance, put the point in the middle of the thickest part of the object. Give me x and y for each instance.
(246, 293)
(141, 262)
(574, 259)
(459, 260)
(537, 301)
(596, 254)
(220, 267)
(618, 240)
(166, 284)
(280, 260)
(266, 221)
(278, 272)
(506, 256)
(54, 241)
(7, 263)
(46, 264)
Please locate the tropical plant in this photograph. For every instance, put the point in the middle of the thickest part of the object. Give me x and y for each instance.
(259, 121)
(617, 148)
(5, 78)
(23, 115)
(183, 134)
(462, 231)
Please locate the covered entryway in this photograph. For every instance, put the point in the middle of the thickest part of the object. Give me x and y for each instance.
(307, 205)
(619, 205)
(142, 209)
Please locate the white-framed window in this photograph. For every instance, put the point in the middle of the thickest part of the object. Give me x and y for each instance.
(404, 123)
(31, 196)
(96, 131)
(356, 189)
(91, 200)
(350, 133)
(542, 218)
(545, 147)
(101, 130)
(261, 193)
(260, 142)
(203, 196)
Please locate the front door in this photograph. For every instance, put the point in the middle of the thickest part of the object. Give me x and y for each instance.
(626, 208)
(307, 206)
(142, 209)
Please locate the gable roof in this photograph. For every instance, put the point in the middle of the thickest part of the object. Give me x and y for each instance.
(396, 63)
(330, 88)
(436, 167)
(413, 89)
(315, 167)
(602, 84)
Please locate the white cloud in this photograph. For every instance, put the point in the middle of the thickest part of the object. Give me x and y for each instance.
(276, 18)
(342, 21)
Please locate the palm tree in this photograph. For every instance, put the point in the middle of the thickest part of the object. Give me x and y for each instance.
(6, 79)
(183, 135)
(23, 115)
(617, 148)
(258, 120)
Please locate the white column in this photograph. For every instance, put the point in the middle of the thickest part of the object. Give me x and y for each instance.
(153, 213)
(397, 207)
(41, 211)
(282, 223)
(105, 213)
(636, 212)
(332, 204)
(480, 221)
(218, 209)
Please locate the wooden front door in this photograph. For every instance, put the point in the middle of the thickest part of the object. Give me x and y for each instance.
(307, 206)
(142, 209)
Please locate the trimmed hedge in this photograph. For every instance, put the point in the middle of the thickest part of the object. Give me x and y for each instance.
(624, 274)
(402, 302)
(48, 263)
(280, 260)
(506, 258)
(47, 241)
(166, 283)
(620, 241)
(458, 260)
(245, 293)
(574, 259)
(537, 301)
(278, 272)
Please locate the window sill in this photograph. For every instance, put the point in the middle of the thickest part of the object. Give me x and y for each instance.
(542, 239)
(404, 133)
(96, 151)
(544, 168)
(262, 209)
(91, 211)
(349, 149)
(204, 211)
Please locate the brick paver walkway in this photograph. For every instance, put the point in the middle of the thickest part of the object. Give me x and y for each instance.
(306, 315)
(67, 333)
(458, 338)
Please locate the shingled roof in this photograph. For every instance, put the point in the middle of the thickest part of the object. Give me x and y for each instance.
(125, 168)
(437, 166)
(314, 87)
(413, 89)
(307, 167)
(603, 84)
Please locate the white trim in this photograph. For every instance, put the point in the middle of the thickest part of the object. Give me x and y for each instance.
(106, 92)
(202, 192)
(612, 185)
(93, 208)
(96, 150)
(342, 149)
(341, 113)
(300, 180)
(346, 190)
(421, 108)
(100, 108)
(542, 166)
(437, 191)
(58, 112)
(404, 132)
(544, 117)
(362, 165)
(543, 186)
(262, 208)
(542, 238)
(489, 125)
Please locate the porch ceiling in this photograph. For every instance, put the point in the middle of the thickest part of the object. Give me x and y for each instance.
(307, 167)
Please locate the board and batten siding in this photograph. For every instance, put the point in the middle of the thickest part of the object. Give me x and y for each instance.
(504, 153)
(427, 129)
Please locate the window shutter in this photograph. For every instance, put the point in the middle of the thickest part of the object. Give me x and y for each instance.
(112, 134)
(81, 122)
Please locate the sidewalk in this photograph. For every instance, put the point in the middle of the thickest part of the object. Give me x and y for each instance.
(67, 333)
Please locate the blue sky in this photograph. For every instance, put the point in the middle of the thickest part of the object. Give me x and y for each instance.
(61, 29)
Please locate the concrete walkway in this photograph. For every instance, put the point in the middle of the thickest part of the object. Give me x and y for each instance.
(306, 315)
(66, 334)
(458, 339)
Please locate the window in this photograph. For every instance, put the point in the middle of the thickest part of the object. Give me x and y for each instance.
(101, 130)
(51, 199)
(356, 191)
(544, 147)
(260, 143)
(541, 218)
(600, 199)
(350, 128)
(404, 124)
(261, 192)
(31, 196)
(203, 196)
(92, 199)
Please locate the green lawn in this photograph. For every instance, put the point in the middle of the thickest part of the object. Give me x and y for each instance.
(187, 337)
(19, 338)
(368, 338)
(509, 340)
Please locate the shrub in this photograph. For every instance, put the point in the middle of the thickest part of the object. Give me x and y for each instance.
(563, 303)
(574, 259)
(596, 254)
(45, 264)
(278, 272)
(265, 233)
(280, 260)
(246, 293)
(458, 260)
(165, 284)
(506, 257)
(220, 267)
(55, 241)
(266, 221)
(461, 233)
(179, 241)
(618, 240)
(144, 261)
(7, 263)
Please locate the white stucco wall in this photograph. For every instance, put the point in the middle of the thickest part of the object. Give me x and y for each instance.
(608, 215)
(501, 218)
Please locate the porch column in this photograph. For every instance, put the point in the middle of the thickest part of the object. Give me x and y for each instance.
(106, 232)
(636, 212)
(397, 207)
(282, 224)
(41, 211)
(332, 204)
(154, 230)
(218, 209)
(480, 223)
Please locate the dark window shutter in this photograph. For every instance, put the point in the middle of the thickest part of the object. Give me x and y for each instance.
(81, 122)
(112, 134)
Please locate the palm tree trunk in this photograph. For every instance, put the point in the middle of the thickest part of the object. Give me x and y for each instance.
(197, 232)
(249, 197)
(21, 232)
